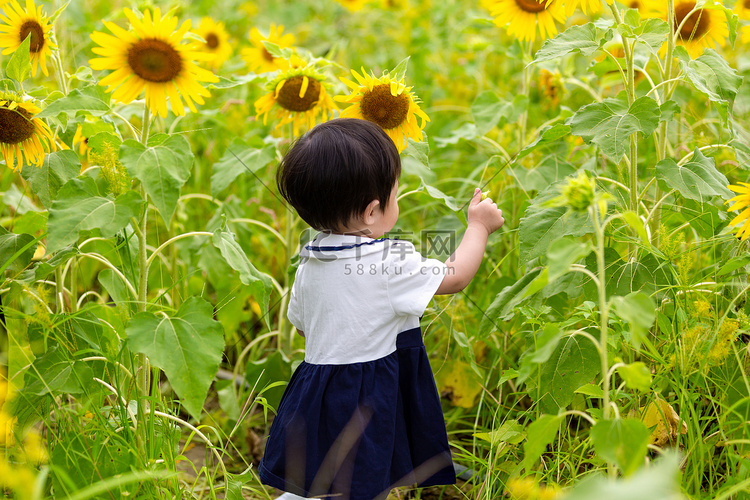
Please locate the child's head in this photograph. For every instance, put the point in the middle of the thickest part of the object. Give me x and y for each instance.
(335, 171)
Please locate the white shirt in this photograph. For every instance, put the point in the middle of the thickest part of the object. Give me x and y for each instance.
(353, 295)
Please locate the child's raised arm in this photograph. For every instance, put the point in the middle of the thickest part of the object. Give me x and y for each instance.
(484, 219)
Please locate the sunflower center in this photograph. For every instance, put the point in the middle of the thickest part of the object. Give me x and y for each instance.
(635, 4)
(15, 125)
(379, 106)
(154, 60)
(746, 4)
(533, 6)
(37, 35)
(212, 40)
(695, 26)
(289, 98)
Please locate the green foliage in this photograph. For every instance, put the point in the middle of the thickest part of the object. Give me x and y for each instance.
(187, 346)
(79, 207)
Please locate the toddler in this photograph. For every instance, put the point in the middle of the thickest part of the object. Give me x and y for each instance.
(361, 414)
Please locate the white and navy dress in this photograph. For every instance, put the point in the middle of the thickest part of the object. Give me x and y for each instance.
(361, 414)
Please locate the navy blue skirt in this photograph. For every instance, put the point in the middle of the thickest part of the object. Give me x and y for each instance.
(353, 432)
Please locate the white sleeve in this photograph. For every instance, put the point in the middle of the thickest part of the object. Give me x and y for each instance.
(295, 309)
(412, 279)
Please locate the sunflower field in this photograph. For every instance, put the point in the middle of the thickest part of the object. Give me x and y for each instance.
(146, 256)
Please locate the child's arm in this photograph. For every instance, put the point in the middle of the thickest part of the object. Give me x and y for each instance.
(484, 218)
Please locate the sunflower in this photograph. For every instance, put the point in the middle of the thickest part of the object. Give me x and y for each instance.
(81, 145)
(22, 135)
(217, 41)
(18, 24)
(299, 97)
(642, 6)
(152, 57)
(742, 9)
(586, 5)
(522, 17)
(258, 58)
(353, 5)
(742, 200)
(387, 102)
(697, 28)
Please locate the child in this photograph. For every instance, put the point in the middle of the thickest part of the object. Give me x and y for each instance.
(362, 414)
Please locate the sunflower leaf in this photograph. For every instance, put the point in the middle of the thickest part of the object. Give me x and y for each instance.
(574, 362)
(259, 282)
(187, 346)
(57, 169)
(610, 123)
(239, 158)
(57, 13)
(19, 65)
(581, 39)
(713, 76)
(399, 72)
(489, 110)
(90, 99)
(163, 167)
(623, 441)
(79, 207)
(697, 179)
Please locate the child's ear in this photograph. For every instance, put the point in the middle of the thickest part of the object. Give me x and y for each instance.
(371, 212)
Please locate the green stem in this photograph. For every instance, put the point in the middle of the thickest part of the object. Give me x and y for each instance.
(59, 290)
(603, 317)
(60, 72)
(141, 230)
(661, 151)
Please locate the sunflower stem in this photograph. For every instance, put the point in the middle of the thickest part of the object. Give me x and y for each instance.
(60, 72)
(141, 230)
(661, 151)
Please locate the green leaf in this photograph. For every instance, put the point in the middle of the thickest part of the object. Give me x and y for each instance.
(233, 81)
(652, 32)
(547, 135)
(636, 376)
(488, 109)
(706, 218)
(563, 253)
(591, 390)
(265, 373)
(79, 207)
(539, 434)
(415, 160)
(510, 432)
(659, 481)
(16, 250)
(238, 159)
(235, 482)
(713, 76)
(260, 283)
(546, 342)
(575, 362)
(19, 64)
(163, 167)
(503, 304)
(637, 225)
(116, 288)
(623, 441)
(542, 225)
(581, 39)
(187, 346)
(100, 140)
(58, 168)
(610, 123)
(435, 193)
(550, 170)
(733, 20)
(638, 309)
(697, 179)
(399, 72)
(90, 99)
(45, 268)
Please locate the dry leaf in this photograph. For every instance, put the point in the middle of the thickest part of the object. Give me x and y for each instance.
(659, 413)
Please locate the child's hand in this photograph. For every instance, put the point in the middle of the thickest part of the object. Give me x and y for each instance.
(485, 212)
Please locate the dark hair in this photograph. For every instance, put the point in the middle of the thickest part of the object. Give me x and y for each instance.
(335, 170)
